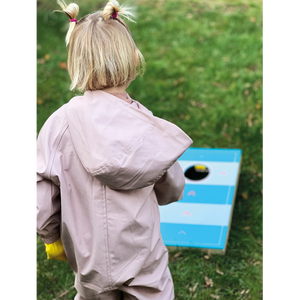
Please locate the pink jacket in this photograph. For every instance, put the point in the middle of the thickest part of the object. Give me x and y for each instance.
(103, 166)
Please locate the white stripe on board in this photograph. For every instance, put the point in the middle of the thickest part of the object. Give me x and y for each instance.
(195, 214)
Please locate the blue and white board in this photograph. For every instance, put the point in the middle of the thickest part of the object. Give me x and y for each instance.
(203, 217)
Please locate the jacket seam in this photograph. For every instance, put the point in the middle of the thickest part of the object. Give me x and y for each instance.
(106, 236)
(55, 150)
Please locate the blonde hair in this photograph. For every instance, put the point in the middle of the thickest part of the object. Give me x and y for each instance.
(102, 52)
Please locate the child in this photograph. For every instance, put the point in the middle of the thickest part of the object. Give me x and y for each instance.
(104, 164)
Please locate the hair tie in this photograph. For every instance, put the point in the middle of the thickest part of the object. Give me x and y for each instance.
(114, 16)
(73, 20)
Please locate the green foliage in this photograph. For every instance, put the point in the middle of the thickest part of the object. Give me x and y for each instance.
(204, 73)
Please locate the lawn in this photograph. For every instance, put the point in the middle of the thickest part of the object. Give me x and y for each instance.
(204, 73)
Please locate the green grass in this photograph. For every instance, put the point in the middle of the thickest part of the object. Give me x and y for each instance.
(204, 73)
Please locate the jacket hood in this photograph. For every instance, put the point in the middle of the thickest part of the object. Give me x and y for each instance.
(123, 146)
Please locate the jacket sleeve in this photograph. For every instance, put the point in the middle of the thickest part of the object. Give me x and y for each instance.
(169, 188)
(48, 210)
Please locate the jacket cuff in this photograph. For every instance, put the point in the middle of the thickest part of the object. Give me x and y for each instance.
(50, 239)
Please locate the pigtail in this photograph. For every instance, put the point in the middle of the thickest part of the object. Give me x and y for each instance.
(71, 11)
(113, 9)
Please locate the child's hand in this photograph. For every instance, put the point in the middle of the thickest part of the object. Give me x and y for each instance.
(56, 251)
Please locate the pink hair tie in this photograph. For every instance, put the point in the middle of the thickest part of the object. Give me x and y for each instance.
(73, 20)
(114, 16)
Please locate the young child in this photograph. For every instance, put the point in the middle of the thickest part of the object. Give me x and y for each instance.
(104, 164)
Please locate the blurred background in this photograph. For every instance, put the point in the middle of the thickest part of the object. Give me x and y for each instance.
(203, 73)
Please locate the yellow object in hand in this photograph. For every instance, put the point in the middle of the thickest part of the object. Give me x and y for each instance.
(56, 251)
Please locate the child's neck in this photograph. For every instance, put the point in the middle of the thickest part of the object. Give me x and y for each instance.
(120, 92)
(116, 89)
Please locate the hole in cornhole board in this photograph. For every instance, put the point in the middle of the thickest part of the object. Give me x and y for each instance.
(197, 172)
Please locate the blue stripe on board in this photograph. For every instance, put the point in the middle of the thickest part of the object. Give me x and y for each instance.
(209, 194)
(204, 154)
(201, 236)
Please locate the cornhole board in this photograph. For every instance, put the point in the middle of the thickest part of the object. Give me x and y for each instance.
(202, 219)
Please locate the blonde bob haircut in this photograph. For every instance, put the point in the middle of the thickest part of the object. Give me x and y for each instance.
(102, 52)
